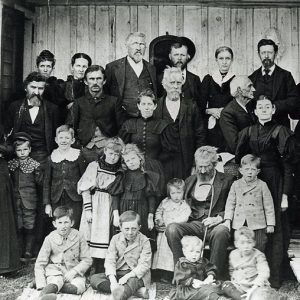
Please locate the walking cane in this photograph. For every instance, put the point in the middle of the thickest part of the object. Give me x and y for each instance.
(209, 212)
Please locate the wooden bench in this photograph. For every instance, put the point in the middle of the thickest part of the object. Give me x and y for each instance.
(294, 255)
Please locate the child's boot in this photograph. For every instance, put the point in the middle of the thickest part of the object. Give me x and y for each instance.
(118, 292)
(231, 291)
(69, 288)
(49, 290)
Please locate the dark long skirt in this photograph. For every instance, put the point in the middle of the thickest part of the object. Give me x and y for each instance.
(9, 251)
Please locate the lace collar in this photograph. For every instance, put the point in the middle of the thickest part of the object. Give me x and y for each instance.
(71, 155)
(217, 77)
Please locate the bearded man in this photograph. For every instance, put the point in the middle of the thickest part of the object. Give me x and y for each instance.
(128, 76)
(186, 130)
(275, 83)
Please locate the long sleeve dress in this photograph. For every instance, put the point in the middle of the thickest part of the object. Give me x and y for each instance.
(9, 250)
(96, 198)
(168, 212)
(136, 190)
(274, 144)
(215, 92)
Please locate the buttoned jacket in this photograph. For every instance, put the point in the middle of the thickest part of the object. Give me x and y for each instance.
(136, 255)
(56, 256)
(252, 203)
(246, 271)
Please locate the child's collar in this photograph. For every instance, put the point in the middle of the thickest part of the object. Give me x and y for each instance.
(71, 155)
(58, 239)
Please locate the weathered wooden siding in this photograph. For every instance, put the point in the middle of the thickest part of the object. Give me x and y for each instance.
(100, 31)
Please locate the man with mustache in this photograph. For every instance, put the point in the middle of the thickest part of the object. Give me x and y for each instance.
(97, 116)
(198, 194)
(128, 76)
(186, 130)
(181, 53)
(39, 118)
(275, 83)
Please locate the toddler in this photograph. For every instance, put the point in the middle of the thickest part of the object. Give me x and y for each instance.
(248, 266)
(194, 276)
(63, 259)
(26, 175)
(97, 210)
(172, 209)
(250, 202)
(128, 261)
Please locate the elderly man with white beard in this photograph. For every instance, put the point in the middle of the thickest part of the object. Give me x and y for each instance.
(198, 194)
(186, 130)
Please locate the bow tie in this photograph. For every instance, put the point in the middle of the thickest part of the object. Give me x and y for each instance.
(31, 106)
(267, 71)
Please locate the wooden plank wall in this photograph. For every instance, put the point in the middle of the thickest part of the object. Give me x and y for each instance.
(100, 31)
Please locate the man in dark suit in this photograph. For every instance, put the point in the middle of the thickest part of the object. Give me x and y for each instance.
(237, 115)
(181, 53)
(35, 116)
(128, 76)
(275, 83)
(198, 194)
(97, 116)
(186, 130)
(39, 118)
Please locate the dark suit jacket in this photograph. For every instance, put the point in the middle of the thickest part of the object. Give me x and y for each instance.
(107, 114)
(190, 90)
(285, 96)
(15, 114)
(192, 130)
(115, 77)
(233, 119)
(221, 185)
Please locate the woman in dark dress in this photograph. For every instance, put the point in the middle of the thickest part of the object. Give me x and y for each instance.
(75, 87)
(275, 145)
(146, 133)
(216, 95)
(9, 250)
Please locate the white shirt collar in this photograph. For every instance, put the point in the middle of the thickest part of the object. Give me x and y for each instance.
(33, 111)
(217, 77)
(173, 108)
(137, 67)
(271, 70)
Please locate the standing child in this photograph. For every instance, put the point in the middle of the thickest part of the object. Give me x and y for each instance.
(9, 252)
(63, 170)
(194, 276)
(173, 209)
(275, 145)
(135, 190)
(63, 259)
(128, 261)
(248, 266)
(26, 175)
(250, 203)
(96, 218)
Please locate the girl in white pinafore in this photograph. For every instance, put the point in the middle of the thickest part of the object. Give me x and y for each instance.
(96, 218)
(172, 209)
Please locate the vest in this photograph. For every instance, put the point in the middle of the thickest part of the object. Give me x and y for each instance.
(133, 86)
(264, 85)
(36, 130)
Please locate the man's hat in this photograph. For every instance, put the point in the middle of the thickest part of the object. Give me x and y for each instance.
(22, 136)
(160, 48)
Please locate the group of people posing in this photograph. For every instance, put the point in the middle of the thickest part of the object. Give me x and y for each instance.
(164, 159)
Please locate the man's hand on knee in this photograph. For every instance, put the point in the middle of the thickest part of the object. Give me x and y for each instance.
(212, 221)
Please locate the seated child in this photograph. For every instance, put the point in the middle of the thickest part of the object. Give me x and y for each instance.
(194, 276)
(26, 175)
(63, 259)
(172, 209)
(250, 202)
(248, 267)
(63, 170)
(128, 261)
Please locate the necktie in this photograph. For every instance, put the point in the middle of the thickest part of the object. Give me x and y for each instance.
(267, 71)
